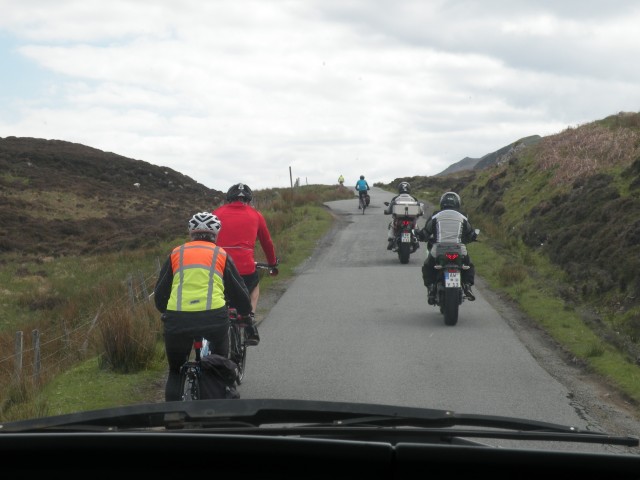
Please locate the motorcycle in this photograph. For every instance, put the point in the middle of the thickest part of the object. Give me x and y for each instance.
(404, 221)
(450, 261)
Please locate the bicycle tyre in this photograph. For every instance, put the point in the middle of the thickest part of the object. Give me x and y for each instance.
(363, 204)
(238, 350)
(189, 382)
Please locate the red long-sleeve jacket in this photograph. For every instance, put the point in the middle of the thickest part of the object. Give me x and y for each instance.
(242, 224)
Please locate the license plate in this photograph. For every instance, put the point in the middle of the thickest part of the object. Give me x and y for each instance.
(406, 237)
(452, 279)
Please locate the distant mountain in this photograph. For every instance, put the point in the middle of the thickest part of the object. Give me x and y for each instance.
(494, 158)
(467, 163)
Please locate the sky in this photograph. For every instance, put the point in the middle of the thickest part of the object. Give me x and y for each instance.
(266, 92)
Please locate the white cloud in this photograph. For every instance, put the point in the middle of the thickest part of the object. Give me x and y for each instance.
(228, 91)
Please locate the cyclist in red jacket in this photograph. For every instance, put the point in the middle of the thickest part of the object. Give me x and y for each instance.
(243, 224)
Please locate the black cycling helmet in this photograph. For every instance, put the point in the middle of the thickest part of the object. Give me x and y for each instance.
(450, 201)
(239, 191)
(404, 187)
(361, 177)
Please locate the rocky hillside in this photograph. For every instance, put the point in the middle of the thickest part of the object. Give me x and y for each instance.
(62, 198)
(493, 158)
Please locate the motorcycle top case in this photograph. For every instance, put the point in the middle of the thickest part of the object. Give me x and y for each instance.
(410, 209)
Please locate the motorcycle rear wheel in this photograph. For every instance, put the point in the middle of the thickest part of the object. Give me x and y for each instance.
(404, 251)
(451, 304)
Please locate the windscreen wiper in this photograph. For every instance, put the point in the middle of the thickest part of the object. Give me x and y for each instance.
(313, 418)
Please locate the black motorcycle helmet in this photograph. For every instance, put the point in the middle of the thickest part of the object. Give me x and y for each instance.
(404, 187)
(450, 201)
(239, 191)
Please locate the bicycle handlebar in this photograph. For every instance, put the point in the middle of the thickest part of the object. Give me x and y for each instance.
(273, 269)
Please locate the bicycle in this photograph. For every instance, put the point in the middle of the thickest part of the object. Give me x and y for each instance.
(362, 203)
(191, 370)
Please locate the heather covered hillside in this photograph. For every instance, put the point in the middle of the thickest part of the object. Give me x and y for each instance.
(574, 198)
(62, 198)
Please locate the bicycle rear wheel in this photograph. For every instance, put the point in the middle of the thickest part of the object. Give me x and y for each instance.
(189, 382)
(238, 350)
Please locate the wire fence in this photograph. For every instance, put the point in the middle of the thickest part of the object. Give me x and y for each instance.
(42, 353)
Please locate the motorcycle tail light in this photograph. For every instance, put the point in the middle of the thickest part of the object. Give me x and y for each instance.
(406, 223)
(451, 256)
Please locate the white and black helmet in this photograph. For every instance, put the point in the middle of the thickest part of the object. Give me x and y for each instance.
(205, 222)
(404, 187)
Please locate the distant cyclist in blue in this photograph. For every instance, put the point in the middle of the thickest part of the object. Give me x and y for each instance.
(362, 187)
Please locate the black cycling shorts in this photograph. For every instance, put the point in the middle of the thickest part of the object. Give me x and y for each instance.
(251, 280)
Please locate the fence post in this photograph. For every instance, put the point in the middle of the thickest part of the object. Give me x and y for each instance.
(19, 344)
(35, 334)
(85, 344)
(132, 296)
(145, 291)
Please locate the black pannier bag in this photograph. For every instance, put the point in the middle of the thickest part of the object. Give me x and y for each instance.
(367, 198)
(217, 377)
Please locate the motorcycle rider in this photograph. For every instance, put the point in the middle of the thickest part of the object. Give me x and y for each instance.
(404, 196)
(362, 187)
(447, 225)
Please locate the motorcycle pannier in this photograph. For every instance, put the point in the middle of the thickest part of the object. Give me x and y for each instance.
(406, 209)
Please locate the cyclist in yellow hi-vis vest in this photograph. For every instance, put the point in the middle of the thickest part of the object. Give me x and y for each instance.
(192, 291)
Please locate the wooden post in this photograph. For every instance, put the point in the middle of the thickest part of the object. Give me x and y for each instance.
(35, 335)
(19, 344)
(143, 283)
(85, 344)
(132, 296)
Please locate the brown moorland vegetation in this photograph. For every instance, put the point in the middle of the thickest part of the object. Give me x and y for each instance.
(61, 198)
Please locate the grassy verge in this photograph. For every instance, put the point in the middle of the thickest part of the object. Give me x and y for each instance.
(538, 300)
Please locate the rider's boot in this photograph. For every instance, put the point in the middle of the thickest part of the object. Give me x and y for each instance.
(466, 287)
(390, 244)
(431, 299)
